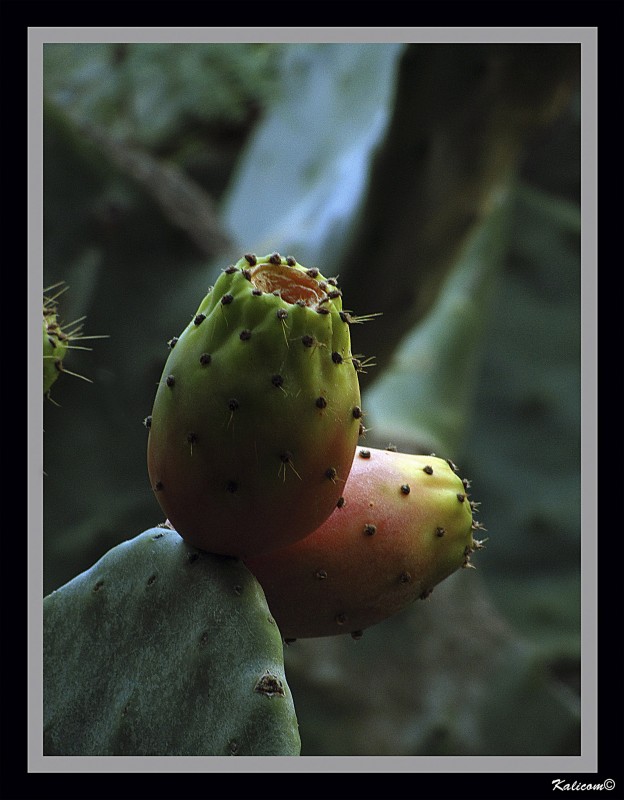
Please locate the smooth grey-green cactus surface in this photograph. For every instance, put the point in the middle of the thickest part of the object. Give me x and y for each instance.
(161, 649)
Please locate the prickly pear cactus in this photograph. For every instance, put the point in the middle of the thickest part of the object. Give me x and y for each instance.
(257, 415)
(161, 649)
(58, 339)
(55, 344)
(404, 523)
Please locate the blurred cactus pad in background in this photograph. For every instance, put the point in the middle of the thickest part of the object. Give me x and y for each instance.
(440, 183)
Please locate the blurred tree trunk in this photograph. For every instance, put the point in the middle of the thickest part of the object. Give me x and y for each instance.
(462, 115)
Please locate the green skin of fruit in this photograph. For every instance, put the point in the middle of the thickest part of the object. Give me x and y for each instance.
(250, 451)
(347, 576)
(55, 345)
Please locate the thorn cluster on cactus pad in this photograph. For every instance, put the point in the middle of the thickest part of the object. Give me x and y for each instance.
(256, 374)
(405, 523)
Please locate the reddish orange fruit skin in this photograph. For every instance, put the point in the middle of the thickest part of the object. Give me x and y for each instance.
(406, 524)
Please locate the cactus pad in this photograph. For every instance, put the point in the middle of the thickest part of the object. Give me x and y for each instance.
(404, 523)
(256, 417)
(161, 649)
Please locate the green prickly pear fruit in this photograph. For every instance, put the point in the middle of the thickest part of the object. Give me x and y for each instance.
(257, 415)
(55, 344)
(403, 524)
(58, 339)
(160, 649)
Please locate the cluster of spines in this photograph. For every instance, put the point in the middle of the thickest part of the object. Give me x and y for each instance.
(62, 337)
(477, 544)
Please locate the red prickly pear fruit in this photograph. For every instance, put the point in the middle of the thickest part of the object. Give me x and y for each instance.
(404, 523)
(256, 417)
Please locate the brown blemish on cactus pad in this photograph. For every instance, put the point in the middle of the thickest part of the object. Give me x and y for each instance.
(405, 577)
(331, 473)
(277, 380)
(461, 497)
(245, 335)
(321, 402)
(230, 270)
(321, 574)
(151, 580)
(440, 531)
(251, 259)
(364, 454)
(98, 586)
(340, 502)
(199, 319)
(307, 340)
(172, 342)
(357, 412)
(337, 358)
(270, 685)
(428, 469)
(170, 381)
(226, 299)
(205, 359)
(292, 284)
(405, 488)
(370, 530)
